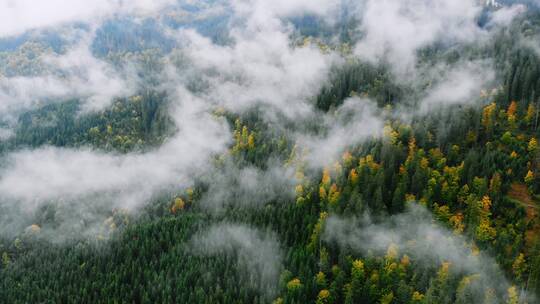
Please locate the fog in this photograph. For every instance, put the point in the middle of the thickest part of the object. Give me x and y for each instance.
(259, 66)
(417, 234)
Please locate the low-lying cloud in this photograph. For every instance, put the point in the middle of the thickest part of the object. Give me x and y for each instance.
(417, 234)
(459, 83)
(258, 254)
(258, 66)
(356, 120)
(75, 74)
(23, 15)
(249, 186)
(33, 178)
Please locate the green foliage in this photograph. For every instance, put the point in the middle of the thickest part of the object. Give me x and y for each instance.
(134, 123)
(460, 164)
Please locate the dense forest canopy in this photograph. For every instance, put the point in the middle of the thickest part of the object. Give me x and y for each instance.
(287, 151)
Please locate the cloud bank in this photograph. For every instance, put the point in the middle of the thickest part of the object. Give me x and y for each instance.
(33, 178)
(258, 67)
(22, 15)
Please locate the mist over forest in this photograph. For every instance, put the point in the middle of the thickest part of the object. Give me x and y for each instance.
(285, 151)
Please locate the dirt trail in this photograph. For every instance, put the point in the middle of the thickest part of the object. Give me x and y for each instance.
(520, 193)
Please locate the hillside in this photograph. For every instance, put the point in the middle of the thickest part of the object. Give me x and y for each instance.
(243, 152)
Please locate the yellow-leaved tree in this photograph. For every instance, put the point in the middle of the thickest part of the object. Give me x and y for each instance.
(513, 297)
(294, 285)
(178, 205)
(323, 297)
(511, 112)
(488, 114)
(533, 145)
(529, 177)
(519, 267)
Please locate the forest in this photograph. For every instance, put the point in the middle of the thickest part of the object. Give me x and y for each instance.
(296, 152)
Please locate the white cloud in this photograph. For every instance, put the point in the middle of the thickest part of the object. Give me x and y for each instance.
(356, 120)
(18, 16)
(259, 67)
(459, 84)
(32, 178)
(261, 11)
(395, 29)
(248, 187)
(418, 235)
(75, 74)
(259, 256)
(505, 15)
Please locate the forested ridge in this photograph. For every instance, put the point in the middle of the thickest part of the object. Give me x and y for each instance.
(130, 124)
(441, 207)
